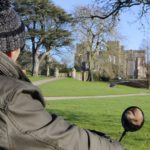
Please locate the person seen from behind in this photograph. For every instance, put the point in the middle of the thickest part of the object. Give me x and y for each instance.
(24, 122)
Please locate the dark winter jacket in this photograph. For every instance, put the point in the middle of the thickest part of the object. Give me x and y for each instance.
(26, 125)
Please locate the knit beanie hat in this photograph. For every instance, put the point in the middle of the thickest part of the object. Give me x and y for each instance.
(12, 30)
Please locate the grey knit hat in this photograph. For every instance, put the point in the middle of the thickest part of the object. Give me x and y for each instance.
(12, 30)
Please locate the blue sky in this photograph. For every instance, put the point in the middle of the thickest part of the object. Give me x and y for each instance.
(131, 32)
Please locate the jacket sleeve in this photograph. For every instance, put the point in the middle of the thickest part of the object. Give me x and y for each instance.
(29, 116)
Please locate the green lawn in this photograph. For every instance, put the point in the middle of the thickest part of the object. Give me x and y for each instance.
(71, 87)
(104, 115)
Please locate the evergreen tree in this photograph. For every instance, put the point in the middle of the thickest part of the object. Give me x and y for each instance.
(46, 28)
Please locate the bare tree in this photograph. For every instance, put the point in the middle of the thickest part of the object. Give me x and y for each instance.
(92, 33)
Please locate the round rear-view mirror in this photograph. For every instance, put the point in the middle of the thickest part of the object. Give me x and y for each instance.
(132, 119)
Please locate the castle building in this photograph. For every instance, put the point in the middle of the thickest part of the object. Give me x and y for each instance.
(123, 63)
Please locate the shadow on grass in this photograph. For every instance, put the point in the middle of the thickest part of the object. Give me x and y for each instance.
(142, 139)
(89, 120)
(105, 123)
(68, 115)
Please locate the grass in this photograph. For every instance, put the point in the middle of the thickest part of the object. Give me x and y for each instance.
(71, 87)
(104, 115)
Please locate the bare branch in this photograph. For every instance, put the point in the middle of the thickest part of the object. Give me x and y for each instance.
(114, 7)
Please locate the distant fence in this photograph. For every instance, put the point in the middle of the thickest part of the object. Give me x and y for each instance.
(58, 74)
(63, 75)
(81, 76)
(74, 74)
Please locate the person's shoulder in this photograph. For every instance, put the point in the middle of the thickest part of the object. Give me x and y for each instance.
(9, 84)
(10, 87)
(10, 81)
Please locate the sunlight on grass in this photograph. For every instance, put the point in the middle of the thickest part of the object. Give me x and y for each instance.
(105, 115)
(71, 87)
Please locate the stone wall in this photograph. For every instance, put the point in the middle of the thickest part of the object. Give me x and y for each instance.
(73, 74)
(79, 75)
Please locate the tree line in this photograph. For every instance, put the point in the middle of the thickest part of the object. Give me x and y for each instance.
(49, 27)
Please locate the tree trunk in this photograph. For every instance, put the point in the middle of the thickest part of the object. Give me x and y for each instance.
(47, 70)
(148, 76)
(90, 76)
(36, 65)
(148, 82)
(90, 62)
(46, 57)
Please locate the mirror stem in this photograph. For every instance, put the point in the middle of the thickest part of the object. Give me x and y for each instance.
(123, 134)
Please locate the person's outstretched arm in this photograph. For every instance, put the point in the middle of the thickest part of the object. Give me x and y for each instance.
(37, 128)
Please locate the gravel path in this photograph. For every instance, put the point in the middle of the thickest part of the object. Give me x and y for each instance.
(93, 97)
(40, 82)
